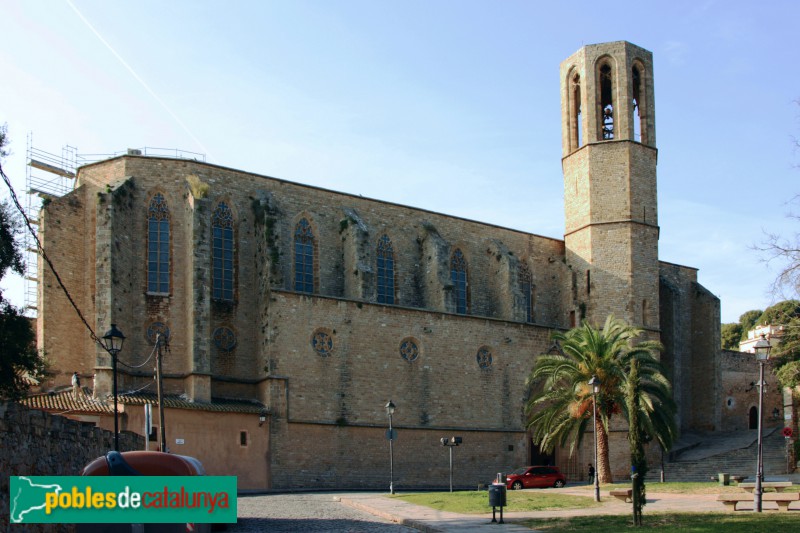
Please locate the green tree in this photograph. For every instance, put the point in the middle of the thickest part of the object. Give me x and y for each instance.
(561, 404)
(730, 336)
(748, 321)
(18, 357)
(636, 440)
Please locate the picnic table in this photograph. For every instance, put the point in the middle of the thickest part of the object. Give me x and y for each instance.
(781, 498)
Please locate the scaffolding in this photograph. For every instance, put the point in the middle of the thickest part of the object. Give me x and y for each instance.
(47, 176)
(51, 176)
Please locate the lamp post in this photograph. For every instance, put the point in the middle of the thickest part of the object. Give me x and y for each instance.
(762, 348)
(390, 435)
(113, 341)
(595, 384)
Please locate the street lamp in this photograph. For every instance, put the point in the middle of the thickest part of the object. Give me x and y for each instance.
(762, 348)
(595, 384)
(113, 341)
(390, 436)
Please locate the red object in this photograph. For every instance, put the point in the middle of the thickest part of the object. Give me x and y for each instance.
(150, 464)
(787, 432)
(529, 477)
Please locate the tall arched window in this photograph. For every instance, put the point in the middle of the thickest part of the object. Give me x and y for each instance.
(526, 286)
(158, 245)
(576, 120)
(303, 257)
(606, 102)
(458, 274)
(222, 262)
(639, 105)
(385, 263)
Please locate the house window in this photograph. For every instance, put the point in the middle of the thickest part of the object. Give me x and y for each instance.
(458, 275)
(303, 257)
(243, 438)
(526, 286)
(158, 246)
(385, 260)
(222, 253)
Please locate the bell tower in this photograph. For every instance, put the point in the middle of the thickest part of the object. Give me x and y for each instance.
(609, 165)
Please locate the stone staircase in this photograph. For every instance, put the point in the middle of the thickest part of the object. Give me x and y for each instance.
(702, 457)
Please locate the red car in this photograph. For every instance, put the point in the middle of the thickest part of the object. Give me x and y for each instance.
(530, 477)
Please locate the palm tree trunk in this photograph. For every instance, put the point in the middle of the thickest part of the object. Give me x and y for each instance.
(603, 462)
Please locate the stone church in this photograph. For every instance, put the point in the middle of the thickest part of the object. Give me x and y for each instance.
(293, 313)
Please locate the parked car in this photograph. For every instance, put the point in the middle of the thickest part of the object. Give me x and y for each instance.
(530, 477)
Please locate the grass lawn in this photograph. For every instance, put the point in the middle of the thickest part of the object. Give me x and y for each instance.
(741, 522)
(477, 502)
(679, 488)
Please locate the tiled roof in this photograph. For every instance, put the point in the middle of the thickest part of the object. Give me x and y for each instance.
(64, 401)
(178, 402)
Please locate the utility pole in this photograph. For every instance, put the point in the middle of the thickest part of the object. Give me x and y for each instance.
(160, 387)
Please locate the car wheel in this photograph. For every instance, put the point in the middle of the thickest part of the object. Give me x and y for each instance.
(517, 485)
(559, 484)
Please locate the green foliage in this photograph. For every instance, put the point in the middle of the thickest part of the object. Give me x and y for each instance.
(748, 320)
(560, 408)
(19, 361)
(198, 187)
(780, 313)
(730, 336)
(10, 230)
(637, 436)
(18, 357)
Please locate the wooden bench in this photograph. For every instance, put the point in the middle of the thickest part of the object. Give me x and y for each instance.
(623, 494)
(783, 499)
(777, 485)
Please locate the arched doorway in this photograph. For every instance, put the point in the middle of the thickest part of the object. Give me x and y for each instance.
(753, 418)
(537, 457)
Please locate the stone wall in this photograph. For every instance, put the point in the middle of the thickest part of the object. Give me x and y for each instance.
(40, 444)
(739, 393)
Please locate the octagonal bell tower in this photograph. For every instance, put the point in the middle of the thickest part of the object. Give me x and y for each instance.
(609, 165)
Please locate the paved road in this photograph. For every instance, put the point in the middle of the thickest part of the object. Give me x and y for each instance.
(283, 513)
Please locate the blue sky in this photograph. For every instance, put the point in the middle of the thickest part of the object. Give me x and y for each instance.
(451, 106)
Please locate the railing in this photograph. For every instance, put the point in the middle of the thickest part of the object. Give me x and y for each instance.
(149, 151)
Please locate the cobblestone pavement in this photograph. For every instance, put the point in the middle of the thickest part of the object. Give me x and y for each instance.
(283, 513)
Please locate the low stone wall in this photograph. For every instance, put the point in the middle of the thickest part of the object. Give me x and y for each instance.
(37, 443)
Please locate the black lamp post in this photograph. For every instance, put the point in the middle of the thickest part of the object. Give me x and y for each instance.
(113, 341)
(595, 384)
(390, 435)
(762, 348)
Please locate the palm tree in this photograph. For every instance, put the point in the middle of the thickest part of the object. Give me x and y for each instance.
(561, 403)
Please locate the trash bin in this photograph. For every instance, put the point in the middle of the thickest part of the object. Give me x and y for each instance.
(497, 495)
(724, 479)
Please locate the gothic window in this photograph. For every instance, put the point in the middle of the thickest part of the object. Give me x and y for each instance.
(222, 253)
(303, 257)
(639, 105)
(385, 260)
(322, 342)
(409, 350)
(526, 286)
(158, 246)
(576, 129)
(458, 275)
(484, 357)
(606, 102)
